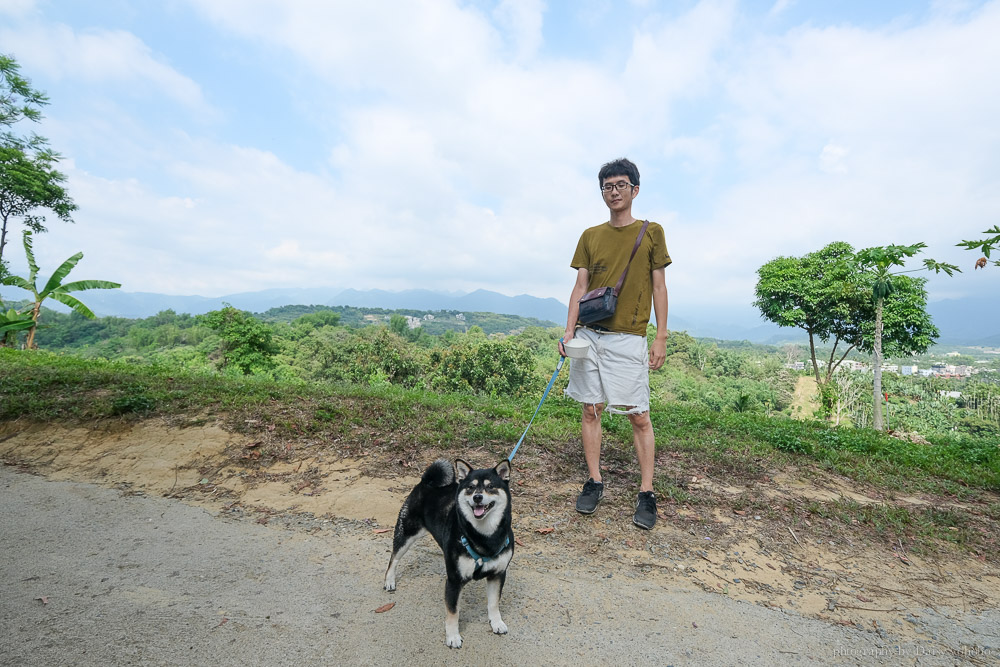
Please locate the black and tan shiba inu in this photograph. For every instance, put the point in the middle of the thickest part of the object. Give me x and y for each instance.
(468, 513)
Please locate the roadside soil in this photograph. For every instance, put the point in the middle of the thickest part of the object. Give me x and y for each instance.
(938, 604)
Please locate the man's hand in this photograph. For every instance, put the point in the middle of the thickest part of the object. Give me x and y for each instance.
(657, 353)
(568, 336)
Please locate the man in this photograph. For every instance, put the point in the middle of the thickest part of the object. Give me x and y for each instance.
(615, 373)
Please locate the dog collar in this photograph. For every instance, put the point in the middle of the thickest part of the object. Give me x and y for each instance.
(482, 559)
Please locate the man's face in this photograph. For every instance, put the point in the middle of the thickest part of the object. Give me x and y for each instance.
(618, 192)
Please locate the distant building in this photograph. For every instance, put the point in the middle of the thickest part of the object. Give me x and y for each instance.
(950, 394)
(796, 366)
(851, 365)
(909, 370)
(460, 317)
(890, 368)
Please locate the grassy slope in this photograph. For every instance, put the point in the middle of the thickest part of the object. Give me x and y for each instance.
(396, 423)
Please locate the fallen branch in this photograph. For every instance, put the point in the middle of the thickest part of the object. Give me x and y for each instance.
(847, 606)
(793, 535)
(716, 575)
(660, 565)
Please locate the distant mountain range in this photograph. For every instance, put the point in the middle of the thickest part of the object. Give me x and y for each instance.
(961, 321)
(145, 304)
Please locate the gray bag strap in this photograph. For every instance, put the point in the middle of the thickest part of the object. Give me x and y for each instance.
(635, 248)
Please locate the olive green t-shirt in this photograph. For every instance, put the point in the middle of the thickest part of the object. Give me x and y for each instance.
(604, 251)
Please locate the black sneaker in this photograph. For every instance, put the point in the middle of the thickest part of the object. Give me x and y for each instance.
(592, 493)
(645, 510)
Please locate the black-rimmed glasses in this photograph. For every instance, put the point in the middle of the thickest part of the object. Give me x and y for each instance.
(621, 186)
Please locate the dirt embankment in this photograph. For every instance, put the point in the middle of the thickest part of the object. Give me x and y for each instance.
(816, 570)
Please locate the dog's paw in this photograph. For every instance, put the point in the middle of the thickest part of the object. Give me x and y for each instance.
(499, 627)
(453, 641)
(390, 586)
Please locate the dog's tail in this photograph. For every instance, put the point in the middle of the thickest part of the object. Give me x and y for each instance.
(440, 473)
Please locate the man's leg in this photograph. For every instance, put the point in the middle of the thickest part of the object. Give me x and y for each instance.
(645, 448)
(591, 436)
(645, 451)
(593, 488)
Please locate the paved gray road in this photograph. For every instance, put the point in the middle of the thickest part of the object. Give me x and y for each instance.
(89, 576)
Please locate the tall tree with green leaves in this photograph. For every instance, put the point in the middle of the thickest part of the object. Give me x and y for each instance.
(873, 266)
(54, 288)
(30, 184)
(813, 293)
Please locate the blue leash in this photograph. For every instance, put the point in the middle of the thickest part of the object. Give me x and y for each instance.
(547, 390)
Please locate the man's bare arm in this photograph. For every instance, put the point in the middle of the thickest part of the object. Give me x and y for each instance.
(658, 350)
(579, 289)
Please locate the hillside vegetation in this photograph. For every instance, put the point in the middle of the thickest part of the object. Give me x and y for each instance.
(505, 355)
(405, 395)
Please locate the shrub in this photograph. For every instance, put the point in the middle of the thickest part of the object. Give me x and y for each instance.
(493, 367)
(247, 343)
(369, 356)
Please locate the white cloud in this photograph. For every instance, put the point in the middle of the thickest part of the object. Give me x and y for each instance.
(675, 59)
(877, 82)
(463, 155)
(422, 48)
(16, 7)
(698, 153)
(831, 159)
(915, 155)
(99, 56)
(522, 19)
(780, 6)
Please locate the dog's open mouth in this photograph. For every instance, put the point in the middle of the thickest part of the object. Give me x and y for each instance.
(479, 511)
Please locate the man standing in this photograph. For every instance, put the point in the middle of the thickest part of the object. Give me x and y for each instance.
(615, 373)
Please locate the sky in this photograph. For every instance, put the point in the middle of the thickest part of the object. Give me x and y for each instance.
(238, 145)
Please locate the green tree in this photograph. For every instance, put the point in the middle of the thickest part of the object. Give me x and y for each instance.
(29, 181)
(321, 318)
(18, 100)
(813, 293)
(54, 288)
(873, 266)
(398, 325)
(247, 343)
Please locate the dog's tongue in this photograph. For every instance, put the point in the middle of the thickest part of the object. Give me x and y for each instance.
(479, 510)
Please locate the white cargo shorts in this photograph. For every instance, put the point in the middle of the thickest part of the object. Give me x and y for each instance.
(615, 372)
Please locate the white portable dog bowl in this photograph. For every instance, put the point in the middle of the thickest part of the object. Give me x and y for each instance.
(576, 348)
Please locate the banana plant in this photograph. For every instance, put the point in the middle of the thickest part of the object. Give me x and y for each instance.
(54, 288)
(11, 322)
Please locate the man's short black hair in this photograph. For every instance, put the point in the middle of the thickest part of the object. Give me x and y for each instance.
(620, 167)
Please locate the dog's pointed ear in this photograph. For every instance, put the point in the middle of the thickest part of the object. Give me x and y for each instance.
(462, 470)
(503, 469)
